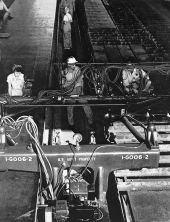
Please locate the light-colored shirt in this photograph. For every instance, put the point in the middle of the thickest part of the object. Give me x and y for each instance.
(135, 75)
(127, 77)
(16, 84)
(72, 76)
(67, 18)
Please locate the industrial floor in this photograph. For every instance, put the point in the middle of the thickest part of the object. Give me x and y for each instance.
(30, 41)
(30, 44)
(18, 196)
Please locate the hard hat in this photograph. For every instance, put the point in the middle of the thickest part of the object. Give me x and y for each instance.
(71, 60)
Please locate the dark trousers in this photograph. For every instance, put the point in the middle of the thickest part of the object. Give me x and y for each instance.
(87, 109)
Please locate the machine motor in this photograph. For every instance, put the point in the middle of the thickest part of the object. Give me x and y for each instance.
(84, 212)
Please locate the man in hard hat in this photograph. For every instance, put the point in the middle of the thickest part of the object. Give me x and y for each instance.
(136, 79)
(72, 80)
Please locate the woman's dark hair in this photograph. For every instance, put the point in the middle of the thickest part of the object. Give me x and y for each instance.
(17, 68)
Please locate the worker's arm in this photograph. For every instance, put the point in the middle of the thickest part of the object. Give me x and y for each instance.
(70, 20)
(9, 89)
(9, 80)
(77, 77)
(5, 7)
(147, 86)
(23, 82)
(147, 81)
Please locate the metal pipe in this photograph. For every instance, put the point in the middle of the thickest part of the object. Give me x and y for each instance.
(165, 159)
(55, 176)
(121, 64)
(101, 182)
(155, 172)
(55, 105)
(48, 214)
(1, 110)
(132, 129)
(140, 185)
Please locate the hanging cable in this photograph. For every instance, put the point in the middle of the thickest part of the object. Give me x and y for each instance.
(32, 130)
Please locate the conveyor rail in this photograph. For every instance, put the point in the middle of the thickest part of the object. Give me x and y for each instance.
(144, 195)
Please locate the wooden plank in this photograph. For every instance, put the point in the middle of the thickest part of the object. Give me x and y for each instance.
(143, 173)
(164, 159)
(148, 185)
(4, 35)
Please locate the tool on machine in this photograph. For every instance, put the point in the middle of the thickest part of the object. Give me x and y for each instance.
(92, 137)
(77, 137)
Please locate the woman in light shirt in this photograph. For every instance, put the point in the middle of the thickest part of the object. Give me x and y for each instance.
(16, 81)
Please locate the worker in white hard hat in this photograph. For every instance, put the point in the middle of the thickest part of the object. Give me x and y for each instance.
(71, 76)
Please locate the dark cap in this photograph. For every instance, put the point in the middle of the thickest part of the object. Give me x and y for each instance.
(17, 68)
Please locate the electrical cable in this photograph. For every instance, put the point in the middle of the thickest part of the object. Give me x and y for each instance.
(58, 180)
(101, 214)
(32, 130)
(60, 190)
(136, 121)
(40, 153)
(81, 174)
(70, 145)
(87, 70)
